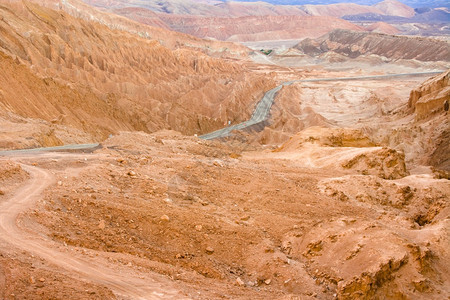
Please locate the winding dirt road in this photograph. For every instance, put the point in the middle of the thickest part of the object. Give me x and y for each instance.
(123, 283)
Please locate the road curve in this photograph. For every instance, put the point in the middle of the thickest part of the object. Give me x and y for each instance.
(262, 110)
(74, 147)
(125, 286)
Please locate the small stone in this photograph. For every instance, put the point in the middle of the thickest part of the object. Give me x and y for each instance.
(121, 161)
(32, 280)
(198, 227)
(131, 173)
(239, 281)
(218, 163)
(178, 256)
(165, 218)
(267, 281)
(41, 279)
(245, 218)
(209, 250)
(60, 183)
(101, 224)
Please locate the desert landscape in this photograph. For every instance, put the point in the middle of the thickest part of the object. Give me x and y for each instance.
(224, 149)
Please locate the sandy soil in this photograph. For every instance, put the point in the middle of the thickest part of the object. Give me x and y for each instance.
(169, 216)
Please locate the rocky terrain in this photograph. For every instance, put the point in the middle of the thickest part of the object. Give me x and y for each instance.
(355, 44)
(160, 87)
(342, 193)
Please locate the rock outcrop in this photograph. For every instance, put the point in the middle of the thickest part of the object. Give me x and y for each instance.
(430, 102)
(430, 97)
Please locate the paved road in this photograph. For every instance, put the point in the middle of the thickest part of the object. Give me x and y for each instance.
(262, 109)
(79, 147)
(259, 115)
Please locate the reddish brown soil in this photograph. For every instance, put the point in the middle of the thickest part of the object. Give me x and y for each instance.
(255, 224)
(334, 199)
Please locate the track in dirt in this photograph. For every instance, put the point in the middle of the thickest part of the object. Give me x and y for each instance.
(124, 285)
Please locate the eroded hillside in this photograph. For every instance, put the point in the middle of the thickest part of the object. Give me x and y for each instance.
(355, 44)
(145, 85)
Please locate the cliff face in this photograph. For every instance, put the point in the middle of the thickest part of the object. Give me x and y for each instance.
(105, 80)
(354, 44)
(430, 102)
(429, 98)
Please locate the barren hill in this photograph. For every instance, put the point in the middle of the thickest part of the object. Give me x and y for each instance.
(340, 9)
(257, 28)
(395, 8)
(382, 27)
(354, 44)
(145, 85)
(203, 8)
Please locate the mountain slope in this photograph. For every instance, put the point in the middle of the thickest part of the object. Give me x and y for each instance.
(202, 8)
(257, 28)
(355, 44)
(340, 9)
(395, 8)
(142, 85)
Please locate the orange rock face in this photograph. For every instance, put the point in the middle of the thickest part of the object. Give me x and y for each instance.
(145, 85)
(430, 97)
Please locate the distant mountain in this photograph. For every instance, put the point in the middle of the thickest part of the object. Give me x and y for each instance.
(428, 16)
(213, 8)
(412, 3)
(257, 28)
(386, 7)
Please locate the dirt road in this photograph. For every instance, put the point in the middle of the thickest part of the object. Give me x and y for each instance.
(123, 283)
